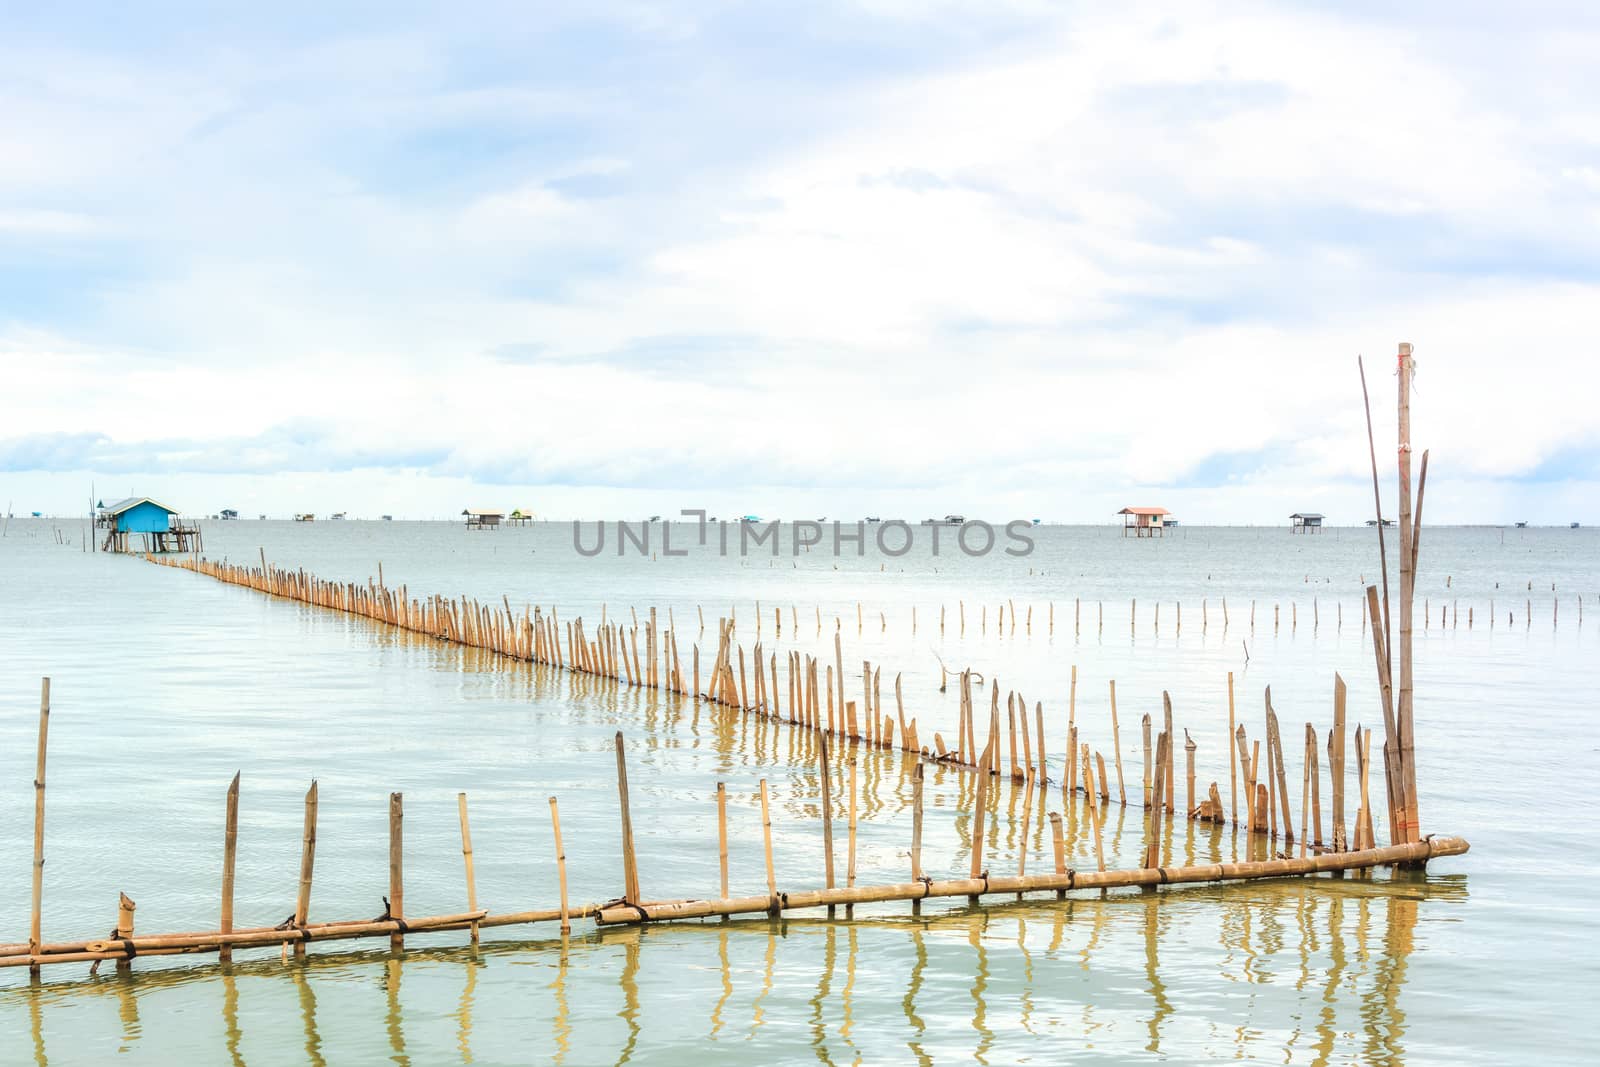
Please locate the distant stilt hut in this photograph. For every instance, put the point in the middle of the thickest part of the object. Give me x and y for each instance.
(156, 524)
(1308, 522)
(1145, 522)
(483, 519)
(518, 517)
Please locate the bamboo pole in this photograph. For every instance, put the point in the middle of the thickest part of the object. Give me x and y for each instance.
(630, 865)
(1233, 756)
(722, 833)
(124, 931)
(1336, 763)
(396, 869)
(916, 828)
(827, 815)
(850, 864)
(35, 936)
(308, 854)
(980, 809)
(766, 844)
(561, 865)
(466, 859)
(1094, 804)
(1408, 820)
(1116, 746)
(230, 846)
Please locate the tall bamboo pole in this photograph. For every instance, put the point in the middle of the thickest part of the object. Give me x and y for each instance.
(561, 864)
(466, 859)
(308, 855)
(397, 891)
(35, 937)
(1409, 824)
(230, 846)
(630, 866)
(766, 846)
(722, 833)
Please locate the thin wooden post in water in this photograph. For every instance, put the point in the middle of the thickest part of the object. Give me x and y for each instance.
(308, 855)
(722, 833)
(466, 860)
(630, 866)
(1233, 758)
(766, 843)
(397, 892)
(230, 844)
(827, 819)
(35, 937)
(125, 907)
(916, 831)
(1116, 746)
(1336, 763)
(561, 865)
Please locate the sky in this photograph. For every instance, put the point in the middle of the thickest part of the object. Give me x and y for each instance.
(1004, 258)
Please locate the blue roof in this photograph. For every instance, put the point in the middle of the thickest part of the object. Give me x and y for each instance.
(134, 501)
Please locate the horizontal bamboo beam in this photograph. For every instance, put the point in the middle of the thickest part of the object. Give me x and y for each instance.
(1417, 852)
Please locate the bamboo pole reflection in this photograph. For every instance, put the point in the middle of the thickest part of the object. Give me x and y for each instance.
(1327, 1017)
(758, 1010)
(464, 1009)
(1026, 1018)
(819, 1028)
(127, 1009)
(561, 1028)
(36, 1025)
(308, 1014)
(1162, 1007)
(980, 982)
(847, 998)
(727, 983)
(230, 1015)
(908, 1004)
(630, 995)
(391, 986)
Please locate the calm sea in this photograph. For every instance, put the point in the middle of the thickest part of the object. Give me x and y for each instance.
(165, 683)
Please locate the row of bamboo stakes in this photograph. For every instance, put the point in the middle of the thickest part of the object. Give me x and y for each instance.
(816, 700)
(123, 944)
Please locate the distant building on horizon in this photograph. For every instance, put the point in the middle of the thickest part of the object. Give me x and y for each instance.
(1145, 522)
(1305, 522)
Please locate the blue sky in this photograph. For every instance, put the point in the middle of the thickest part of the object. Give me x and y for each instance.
(999, 258)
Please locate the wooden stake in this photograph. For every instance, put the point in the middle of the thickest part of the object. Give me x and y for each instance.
(35, 937)
(561, 865)
(1233, 756)
(308, 855)
(1116, 747)
(722, 833)
(230, 844)
(630, 865)
(1336, 763)
(466, 860)
(125, 908)
(396, 869)
(766, 844)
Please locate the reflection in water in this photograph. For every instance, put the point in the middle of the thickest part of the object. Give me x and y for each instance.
(464, 1010)
(391, 985)
(1333, 954)
(819, 1027)
(630, 994)
(766, 981)
(561, 1028)
(308, 1012)
(36, 1024)
(919, 1028)
(1162, 1007)
(127, 1009)
(230, 1014)
(727, 983)
(980, 982)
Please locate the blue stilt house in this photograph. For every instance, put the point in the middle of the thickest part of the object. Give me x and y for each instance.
(154, 522)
